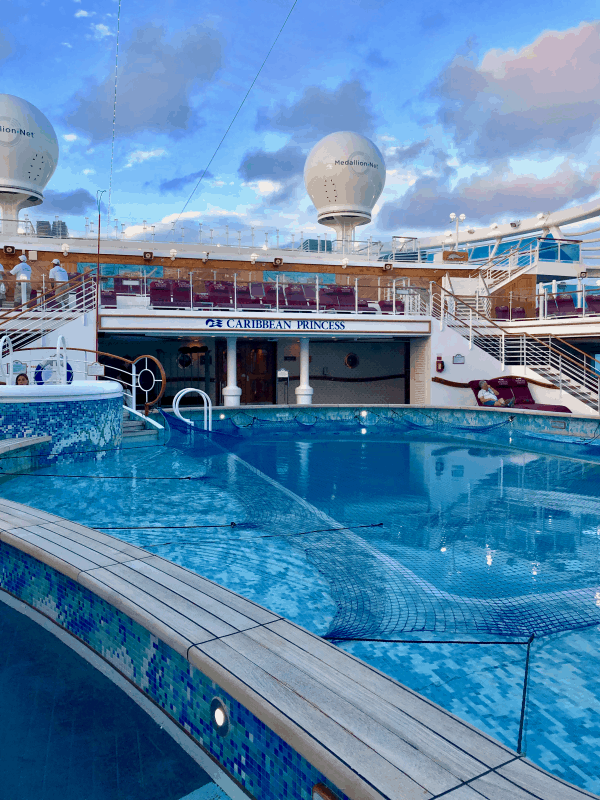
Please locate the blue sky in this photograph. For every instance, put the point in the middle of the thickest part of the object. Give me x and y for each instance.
(485, 108)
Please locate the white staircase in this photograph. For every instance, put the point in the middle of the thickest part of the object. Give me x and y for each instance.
(27, 323)
(553, 359)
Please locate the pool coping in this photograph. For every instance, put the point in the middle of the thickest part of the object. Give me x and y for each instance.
(368, 734)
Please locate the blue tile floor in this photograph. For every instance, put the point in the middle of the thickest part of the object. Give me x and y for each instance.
(68, 733)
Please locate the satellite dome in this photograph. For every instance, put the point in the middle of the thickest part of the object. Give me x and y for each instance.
(344, 175)
(28, 155)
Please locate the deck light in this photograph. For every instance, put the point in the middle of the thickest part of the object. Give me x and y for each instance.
(221, 416)
(172, 253)
(363, 413)
(253, 258)
(363, 430)
(219, 716)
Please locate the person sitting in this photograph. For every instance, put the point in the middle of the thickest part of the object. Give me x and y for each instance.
(488, 396)
(22, 379)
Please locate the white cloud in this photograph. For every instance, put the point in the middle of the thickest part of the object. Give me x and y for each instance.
(67, 44)
(83, 13)
(100, 31)
(89, 171)
(139, 156)
(70, 137)
(186, 215)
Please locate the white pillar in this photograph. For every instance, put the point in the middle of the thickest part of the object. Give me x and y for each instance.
(304, 391)
(231, 392)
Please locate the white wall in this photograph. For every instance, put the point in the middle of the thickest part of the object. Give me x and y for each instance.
(375, 359)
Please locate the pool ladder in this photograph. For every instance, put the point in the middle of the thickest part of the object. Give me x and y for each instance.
(207, 407)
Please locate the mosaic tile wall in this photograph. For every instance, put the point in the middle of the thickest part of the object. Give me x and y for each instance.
(77, 427)
(254, 755)
(562, 435)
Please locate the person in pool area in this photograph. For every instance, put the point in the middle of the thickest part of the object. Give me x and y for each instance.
(22, 380)
(488, 396)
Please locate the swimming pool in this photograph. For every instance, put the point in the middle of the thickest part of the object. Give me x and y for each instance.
(332, 527)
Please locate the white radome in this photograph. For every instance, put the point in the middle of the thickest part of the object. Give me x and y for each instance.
(344, 175)
(28, 154)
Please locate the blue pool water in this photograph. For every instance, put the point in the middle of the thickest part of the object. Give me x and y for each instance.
(402, 537)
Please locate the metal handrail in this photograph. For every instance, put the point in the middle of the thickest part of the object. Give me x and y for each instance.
(587, 373)
(207, 404)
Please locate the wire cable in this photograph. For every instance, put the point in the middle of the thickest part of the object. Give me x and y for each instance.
(237, 112)
(112, 149)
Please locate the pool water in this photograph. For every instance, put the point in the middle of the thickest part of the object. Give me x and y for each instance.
(402, 538)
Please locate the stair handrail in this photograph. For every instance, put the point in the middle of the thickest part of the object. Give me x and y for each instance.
(504, 332)
(4, 373)
(50, 294)
(99, 353)
(207, 404)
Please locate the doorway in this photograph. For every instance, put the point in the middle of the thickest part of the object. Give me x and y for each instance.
(256, 367)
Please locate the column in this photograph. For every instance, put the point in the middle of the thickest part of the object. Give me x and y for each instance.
(231, 392)
(304, 391)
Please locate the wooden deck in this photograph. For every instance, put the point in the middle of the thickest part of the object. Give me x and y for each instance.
(371, 736)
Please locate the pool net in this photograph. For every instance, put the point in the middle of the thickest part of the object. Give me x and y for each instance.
(383, 589)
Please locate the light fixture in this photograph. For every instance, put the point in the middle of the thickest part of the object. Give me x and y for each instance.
(205, 257)
(448, 233)
(363, 430)
(219, 716)
(442, 550)
(345, 262)
(172, 253)
(253, 258)
(453, 216)
(264, 247)
(462, 218)
(363, 413)
(65, 249)
(221, 416)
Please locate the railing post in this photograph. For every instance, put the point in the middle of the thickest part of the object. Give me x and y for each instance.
(133, 386)
(394, 297)
(317, 291)
(583, 298)
(191, 290)
(503, 351)
(470, 329)
(560, 373)
(277, 293)
(356, 295)
(235, 291)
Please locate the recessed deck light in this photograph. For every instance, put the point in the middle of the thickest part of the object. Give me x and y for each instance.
(363, 413)
(219, 716)
(221, 416)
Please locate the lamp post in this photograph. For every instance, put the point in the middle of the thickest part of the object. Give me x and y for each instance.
(460, 218)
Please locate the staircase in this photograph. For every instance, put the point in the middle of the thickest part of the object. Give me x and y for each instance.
(553, 359)
(27, 323)
(135, 432)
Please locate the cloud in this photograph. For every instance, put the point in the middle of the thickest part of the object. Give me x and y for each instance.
(89, 171)
(500, 191)
(82, 13)
(70, 137)
(75, 202)
(376, 60)
(400, 156)
(321, 111)
(67, 44)
(281, 164)
(175, 184)
(101, 31)
(542, 97)
(139, 156)
(157, 74)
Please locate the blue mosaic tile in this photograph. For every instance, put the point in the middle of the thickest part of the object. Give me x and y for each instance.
(256, 757)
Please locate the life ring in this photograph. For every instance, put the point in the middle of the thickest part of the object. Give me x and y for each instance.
(46, 371)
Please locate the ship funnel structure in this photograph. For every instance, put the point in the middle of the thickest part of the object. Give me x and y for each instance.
(344, 175)
(28, 158)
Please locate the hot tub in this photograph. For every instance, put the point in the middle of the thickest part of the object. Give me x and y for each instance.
(81, 417)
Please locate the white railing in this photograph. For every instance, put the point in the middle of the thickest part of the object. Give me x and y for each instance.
(51, 310)
(207, 405)
(143, 379)
(143, 417)
(559, 362)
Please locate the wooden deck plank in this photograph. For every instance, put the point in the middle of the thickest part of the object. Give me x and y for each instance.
(152, 608)
(375, 706)
(235, 601)
(419, 766)
(49, 553)
(70, 544)
(411, 703)
(525, 774)
(220, 610)
(102, 545)
(310, 721)
(187, 609)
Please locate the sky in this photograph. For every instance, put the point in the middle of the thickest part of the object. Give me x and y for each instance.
(483, 108)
